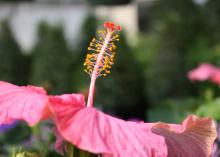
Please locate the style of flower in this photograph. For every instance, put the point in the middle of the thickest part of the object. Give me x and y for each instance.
(205, 72)
(94, 131)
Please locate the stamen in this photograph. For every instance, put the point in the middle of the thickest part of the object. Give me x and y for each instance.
(101, 56)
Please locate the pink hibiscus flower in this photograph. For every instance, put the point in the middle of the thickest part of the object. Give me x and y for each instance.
(103, 134)
(94, 131)
(97, 132)
(205, 72)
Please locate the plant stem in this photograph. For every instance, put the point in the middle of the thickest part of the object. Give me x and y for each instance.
(13, 152)
(70, 150)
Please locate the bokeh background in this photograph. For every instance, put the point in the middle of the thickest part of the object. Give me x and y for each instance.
(44, 43)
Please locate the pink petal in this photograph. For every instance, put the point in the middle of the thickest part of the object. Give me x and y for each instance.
(27, 103)
(195, 137)
(96, 132)
(60, 142)
(99, 133)
(202, 72)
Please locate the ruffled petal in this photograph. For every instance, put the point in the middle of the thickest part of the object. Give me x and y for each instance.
(99, 133)
(195, 137)
(28, 103)
(96, 132)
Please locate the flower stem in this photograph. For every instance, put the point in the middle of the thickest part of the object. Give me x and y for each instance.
(12, 152)
(70, 150)
(208, 95)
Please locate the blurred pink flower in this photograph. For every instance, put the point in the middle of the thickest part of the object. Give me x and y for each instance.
(216, 77)
(94, 131)
(97, 132)
(205, 72)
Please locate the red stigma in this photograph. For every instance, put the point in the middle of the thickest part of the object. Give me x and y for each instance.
(112, 26)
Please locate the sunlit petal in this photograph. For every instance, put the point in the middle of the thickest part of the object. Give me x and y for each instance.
(27, 103)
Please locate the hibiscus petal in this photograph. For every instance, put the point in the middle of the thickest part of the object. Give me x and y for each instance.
(99, 133)
(27, 103)
(60, 142)
(195, 137)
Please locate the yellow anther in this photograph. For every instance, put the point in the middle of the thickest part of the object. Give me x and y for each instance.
(101, 31)
(104, 55)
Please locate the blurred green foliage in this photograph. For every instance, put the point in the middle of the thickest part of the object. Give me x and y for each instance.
(51, 64)
(21, 128)
(14, 1)
(182, 34)
(108, 2)
(122, 93)
(14, 66)
(210, 109)
(174, 26)
(173, 110)
(148, 81)
(80, 79)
